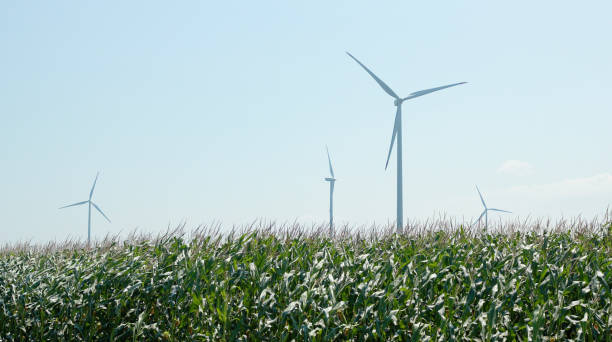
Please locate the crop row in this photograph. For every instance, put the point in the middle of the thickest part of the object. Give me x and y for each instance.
(258, 286)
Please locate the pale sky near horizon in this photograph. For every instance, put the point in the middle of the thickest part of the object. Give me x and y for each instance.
(203, 112)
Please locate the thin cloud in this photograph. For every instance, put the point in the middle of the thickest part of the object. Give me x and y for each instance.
(600, 184)
(515, 168)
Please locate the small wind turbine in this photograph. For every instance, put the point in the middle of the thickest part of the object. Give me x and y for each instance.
(486, 210)
(331, 181)
(397, 131)
(90, 202)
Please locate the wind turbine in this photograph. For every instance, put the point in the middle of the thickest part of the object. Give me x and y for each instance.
(90, 203)
(397, 132)
(486, 210)
(331, 181)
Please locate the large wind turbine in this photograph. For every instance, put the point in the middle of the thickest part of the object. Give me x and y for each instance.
(331, 181)
(397, 132)
(90, 203)
(485, 213)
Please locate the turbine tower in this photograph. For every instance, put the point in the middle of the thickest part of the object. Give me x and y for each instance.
(90, 203)
(331, 181)
(397, 132)
(485, 213)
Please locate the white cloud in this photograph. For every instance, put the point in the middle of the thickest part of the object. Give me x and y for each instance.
(600, 184)
(515, 168)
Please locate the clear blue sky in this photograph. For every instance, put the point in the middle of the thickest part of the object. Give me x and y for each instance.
(220, 111)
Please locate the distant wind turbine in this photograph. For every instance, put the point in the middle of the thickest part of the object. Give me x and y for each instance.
(90, 202)
(397, 132)
(331, 181)
(486, 210)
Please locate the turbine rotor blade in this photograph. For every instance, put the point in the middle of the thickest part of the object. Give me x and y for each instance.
(72, 205)
(395, 129)
(481, 215)
(331, 170)
(93, 186)
(382, 84)
(482, 200)
(431, 90)
(100, 210)
(503, 211)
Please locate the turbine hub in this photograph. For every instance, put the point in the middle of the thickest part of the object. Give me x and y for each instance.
(397, 102)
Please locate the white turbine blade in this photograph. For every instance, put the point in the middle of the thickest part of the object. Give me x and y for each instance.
(481, 215)
(93, 186)
(503, 211)
(395, 129)
(427, 91)
(482, 200)
(100, 210)
(331, 170)
(75, 204)
(378, 80)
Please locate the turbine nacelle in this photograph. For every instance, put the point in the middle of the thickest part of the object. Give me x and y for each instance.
(330, 179)
(398, 102)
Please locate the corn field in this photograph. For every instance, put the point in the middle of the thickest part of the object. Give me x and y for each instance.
(291, 285)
